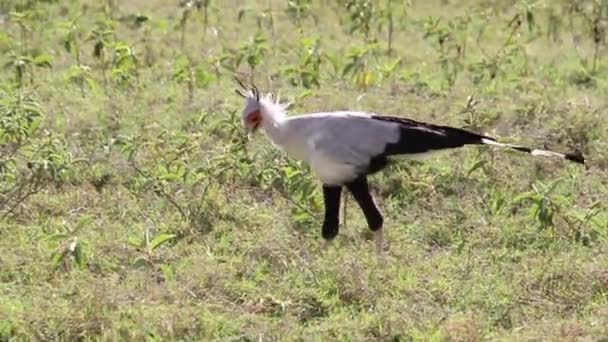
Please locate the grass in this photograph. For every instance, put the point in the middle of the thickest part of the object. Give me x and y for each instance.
(133, 208)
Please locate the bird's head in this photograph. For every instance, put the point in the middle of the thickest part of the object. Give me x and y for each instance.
(259, 110)
(252, 113)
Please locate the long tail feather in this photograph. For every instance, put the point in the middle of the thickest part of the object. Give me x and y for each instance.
(419, 138)
(574, 157)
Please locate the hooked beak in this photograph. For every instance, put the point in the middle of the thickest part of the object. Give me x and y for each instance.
(251, 130)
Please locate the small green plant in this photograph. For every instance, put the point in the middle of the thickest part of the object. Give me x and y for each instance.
(251, 52)
(25, 65)
(290, 180)
(193, 75)
(168, 173)
(509, 62)
(79, 74)
(450, 40)
(266, 17)
(254, 52)
(67, 245)
(30, 160)
(19, 122)
(185, 14)
(23, 60)
(125, 65)
(587, 225)
(593, 15)
(298, 10)
(388, 68)
(148, 245)
(473, 118)
(24, 19)
(102, 36)
(204, 5)
(545, 205)
(366, 67)
(307, 72)
(82, 76)
(361, 65)
(361, 14)
(188, 10)
(386, 15)
(71, 38)
(554, 24)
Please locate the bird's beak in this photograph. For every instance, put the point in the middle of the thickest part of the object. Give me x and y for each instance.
(251, 130)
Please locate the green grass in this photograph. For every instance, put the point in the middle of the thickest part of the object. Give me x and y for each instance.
(132, 206)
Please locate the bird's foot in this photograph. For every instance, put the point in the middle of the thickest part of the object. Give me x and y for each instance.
(325, 245)
(379, 242)
(379, 239)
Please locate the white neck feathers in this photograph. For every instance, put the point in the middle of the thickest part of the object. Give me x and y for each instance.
(273, 112)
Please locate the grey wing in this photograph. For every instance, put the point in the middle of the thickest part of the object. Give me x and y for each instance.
(353, 139)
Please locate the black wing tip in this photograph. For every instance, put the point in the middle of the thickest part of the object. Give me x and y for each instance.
(576, 157)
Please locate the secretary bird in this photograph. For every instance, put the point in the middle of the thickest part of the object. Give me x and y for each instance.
(344, 147)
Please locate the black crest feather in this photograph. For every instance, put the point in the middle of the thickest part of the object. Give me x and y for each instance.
(242, 92)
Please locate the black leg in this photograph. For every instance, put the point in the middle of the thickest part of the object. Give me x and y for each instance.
(360, 190)
(331, 196)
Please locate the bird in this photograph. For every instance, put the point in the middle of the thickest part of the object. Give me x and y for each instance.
(344, 148)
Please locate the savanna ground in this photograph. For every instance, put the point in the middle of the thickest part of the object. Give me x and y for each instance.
(132, 206)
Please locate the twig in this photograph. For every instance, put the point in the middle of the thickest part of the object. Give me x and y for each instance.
(33, 190)
(160, 189)
(274, 191)
(296, 204)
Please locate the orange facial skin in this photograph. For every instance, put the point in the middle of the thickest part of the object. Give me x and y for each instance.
(253, 120)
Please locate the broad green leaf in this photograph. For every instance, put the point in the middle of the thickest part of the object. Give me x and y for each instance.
(78, 254)
(171, 177)
(82, 222)
(58, 256)
(43, 60)
(54, 237)
(135, 242)
(241, 14)
(91, 83)
(167, 271)
(141, 18)
(203, 78)
(530, 20)
(161, 239)
(140, 262)
(478, 164)
(347, 68)
(530, 195)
